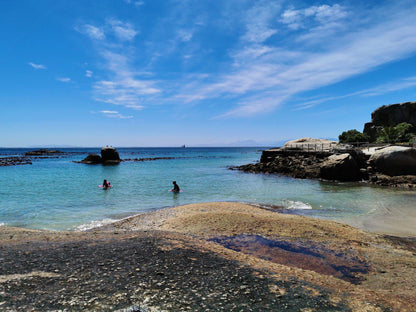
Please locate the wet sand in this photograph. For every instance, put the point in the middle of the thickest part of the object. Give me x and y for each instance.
(208, 257)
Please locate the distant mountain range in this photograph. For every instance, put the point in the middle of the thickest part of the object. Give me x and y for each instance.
(245, 143)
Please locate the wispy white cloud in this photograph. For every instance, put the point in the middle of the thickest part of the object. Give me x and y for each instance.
(354, 53)
(259, 21)
(124, 88)
(88, 73)
(37, 66)
(91, 31)
(115, 114)
(122, 30)
(324, 14)
(64, 79)
(185, 35)
(274, 53)
(402, 84)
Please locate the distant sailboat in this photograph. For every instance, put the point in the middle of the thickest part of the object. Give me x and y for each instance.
(183, 146)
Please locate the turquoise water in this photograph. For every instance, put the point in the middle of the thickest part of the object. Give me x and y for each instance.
(58, 194)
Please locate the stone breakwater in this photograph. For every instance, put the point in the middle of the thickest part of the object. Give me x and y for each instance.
(14, 161)
(389, 166)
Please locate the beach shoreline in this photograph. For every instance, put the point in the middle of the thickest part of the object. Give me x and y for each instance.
(204, 257)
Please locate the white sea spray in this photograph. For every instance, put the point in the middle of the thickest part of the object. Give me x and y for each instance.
(290, 204)
(94, 224)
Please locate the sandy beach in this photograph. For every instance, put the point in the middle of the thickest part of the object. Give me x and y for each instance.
(208, 257)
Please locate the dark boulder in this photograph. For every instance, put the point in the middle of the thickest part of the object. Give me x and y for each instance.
(92, 159)
(395, 161)
(109, 155)
(341, 167)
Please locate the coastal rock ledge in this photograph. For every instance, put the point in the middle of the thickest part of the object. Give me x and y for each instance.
(322, 159)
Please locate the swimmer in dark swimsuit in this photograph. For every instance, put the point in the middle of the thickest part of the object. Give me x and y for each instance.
(176, 188)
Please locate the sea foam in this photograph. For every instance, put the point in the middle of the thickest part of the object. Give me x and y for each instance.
(94, 224)
(290, 204)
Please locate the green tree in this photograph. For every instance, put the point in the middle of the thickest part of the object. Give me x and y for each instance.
(353, 135)
(387, 135)
(404, 132)
(400, 133)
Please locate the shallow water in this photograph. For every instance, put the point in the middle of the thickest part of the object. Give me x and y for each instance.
(58, 194)
(299, 253)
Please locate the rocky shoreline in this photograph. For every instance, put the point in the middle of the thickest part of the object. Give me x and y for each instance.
(207, 257)
(388, 166)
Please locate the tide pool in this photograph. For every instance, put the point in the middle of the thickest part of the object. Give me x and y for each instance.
(59, 194)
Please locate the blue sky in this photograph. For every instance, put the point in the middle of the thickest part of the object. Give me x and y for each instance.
(173, 72)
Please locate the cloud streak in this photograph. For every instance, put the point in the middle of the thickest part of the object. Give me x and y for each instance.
(64, 79)
(37, 66)
(275, 52)
(274, 80)
(114, 114)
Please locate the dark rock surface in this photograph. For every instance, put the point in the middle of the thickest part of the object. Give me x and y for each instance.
(390, 116)
(43, 152)
(109, 155)
(166, 273)
(92, 159)
(341, 167)
(14, 161)
(351, 166)
(295, 164)
(395, 161)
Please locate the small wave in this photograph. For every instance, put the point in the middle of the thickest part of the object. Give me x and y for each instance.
(2, 224)
(290, 204)
(94, 224)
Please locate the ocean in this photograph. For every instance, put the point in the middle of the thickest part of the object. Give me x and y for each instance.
(56, 193)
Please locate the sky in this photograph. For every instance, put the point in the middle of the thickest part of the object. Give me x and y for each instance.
(201, 72)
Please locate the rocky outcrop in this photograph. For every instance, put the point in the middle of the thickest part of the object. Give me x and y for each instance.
(393, 166)
(14, 161)
(394, 161)
(341, 167)
(92, 159)
(297, 164)
(43, 152)
(109, 155)
(306, 144)
(390, 116)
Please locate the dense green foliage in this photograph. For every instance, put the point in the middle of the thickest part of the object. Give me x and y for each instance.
(353, 135)
(401, 133)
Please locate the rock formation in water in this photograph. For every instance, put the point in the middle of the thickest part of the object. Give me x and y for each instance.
(43, 152)
(109, 155)
(394, 166)
(92, 159)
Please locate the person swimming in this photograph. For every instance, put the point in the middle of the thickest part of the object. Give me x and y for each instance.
(105, 183)
(176, 188)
